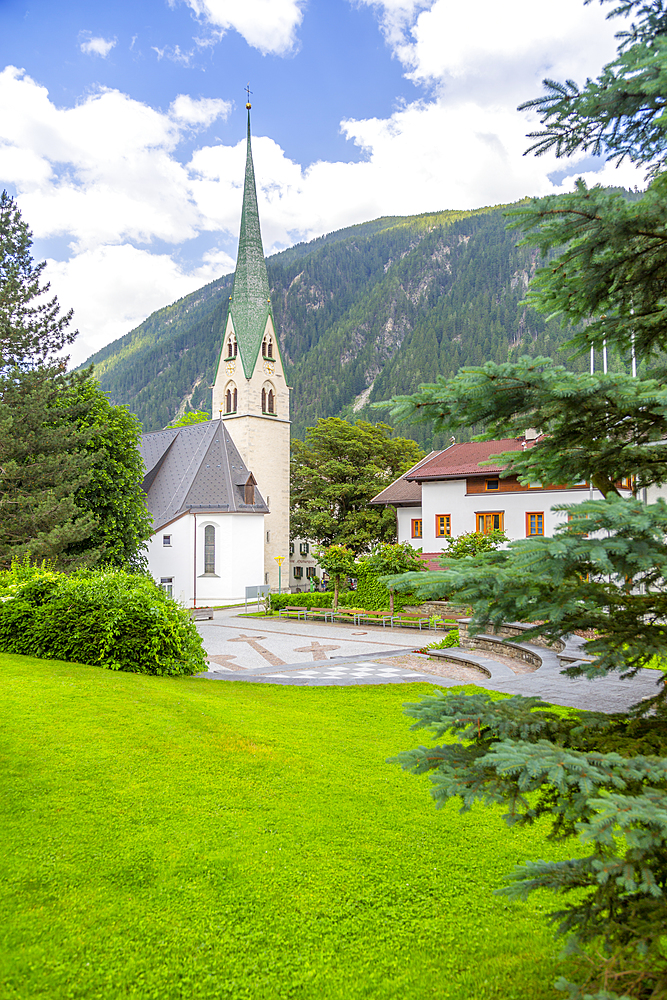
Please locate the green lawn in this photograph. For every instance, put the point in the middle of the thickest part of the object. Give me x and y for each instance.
(182, 838)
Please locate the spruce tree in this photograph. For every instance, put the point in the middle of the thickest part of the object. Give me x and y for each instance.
(602, 778)
(70, 472)
(31, 327)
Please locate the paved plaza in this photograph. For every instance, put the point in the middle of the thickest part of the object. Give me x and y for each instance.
(282, 651)
(313, 654)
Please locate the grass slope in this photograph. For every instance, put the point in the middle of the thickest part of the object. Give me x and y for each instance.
(191, 839)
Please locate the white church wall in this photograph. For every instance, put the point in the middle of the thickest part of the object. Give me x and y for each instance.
(170, 560)
(239, 557)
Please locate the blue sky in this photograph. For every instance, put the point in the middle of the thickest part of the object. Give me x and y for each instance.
(122, 127)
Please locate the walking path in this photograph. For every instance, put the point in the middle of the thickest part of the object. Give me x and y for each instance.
(275, 651)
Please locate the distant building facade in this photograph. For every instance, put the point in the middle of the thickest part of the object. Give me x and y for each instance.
(449, 493)
(304, 569)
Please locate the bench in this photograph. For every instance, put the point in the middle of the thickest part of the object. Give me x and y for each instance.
(292, 611)
(318, 614)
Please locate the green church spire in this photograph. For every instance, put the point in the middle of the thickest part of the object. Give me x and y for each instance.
(250, 307)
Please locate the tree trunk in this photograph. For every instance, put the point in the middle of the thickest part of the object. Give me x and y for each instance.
(336, 588)
(391, 601)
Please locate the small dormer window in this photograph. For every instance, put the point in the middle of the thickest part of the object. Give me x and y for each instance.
(250, 492)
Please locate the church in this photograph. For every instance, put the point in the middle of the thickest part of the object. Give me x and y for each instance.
(219, 491)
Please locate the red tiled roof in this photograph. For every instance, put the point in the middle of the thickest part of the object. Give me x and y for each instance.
(403, 492)
(463, 460)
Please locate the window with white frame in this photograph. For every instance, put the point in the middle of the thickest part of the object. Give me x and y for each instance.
(209, 549)
(166, 541)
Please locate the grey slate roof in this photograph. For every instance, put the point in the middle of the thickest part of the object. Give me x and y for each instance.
(195, 468)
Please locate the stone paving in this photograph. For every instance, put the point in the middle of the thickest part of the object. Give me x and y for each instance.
(237, 643)
(313, 654)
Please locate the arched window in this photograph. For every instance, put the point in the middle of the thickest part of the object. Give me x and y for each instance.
(269, 399)
(209, 549)
(269, 349)
(230, 349)
(264, 354)
(231, 398)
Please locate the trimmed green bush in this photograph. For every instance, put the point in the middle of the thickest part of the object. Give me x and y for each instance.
(372, 595)
(109, 618)
(314, 600)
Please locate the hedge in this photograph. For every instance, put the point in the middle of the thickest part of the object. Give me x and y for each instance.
(109, 618)
(370, 595)
(374, 596)
(346, 599)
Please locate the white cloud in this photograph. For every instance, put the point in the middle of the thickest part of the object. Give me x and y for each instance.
(95, 45)
(203, 111)
(108, 177)
(267, 25)
(114, 288)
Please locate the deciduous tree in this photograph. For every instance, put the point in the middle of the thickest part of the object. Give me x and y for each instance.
(336, 472)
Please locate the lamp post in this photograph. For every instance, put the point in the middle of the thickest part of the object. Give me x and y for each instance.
(280, 560)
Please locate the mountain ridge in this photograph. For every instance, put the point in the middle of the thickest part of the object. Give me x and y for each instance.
(362, 313)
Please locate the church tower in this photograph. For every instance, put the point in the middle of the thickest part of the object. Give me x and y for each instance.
(250, 393)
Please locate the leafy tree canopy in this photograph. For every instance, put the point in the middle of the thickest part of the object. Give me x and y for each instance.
(113, 494)
(338, 562)
(471, 543)
(190, 417)
(335, 474)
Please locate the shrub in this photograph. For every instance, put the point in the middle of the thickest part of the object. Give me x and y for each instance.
(109, 618)
(451, 639)
(374, 596)
(313, 600)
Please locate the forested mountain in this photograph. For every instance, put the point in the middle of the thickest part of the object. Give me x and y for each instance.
(363, 313)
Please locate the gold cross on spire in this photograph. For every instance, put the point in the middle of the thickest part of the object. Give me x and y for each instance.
(248, 93)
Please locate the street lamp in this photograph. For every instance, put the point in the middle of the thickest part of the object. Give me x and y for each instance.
(280, 560)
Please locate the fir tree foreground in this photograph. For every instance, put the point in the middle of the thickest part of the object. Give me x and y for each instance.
(600, 778)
